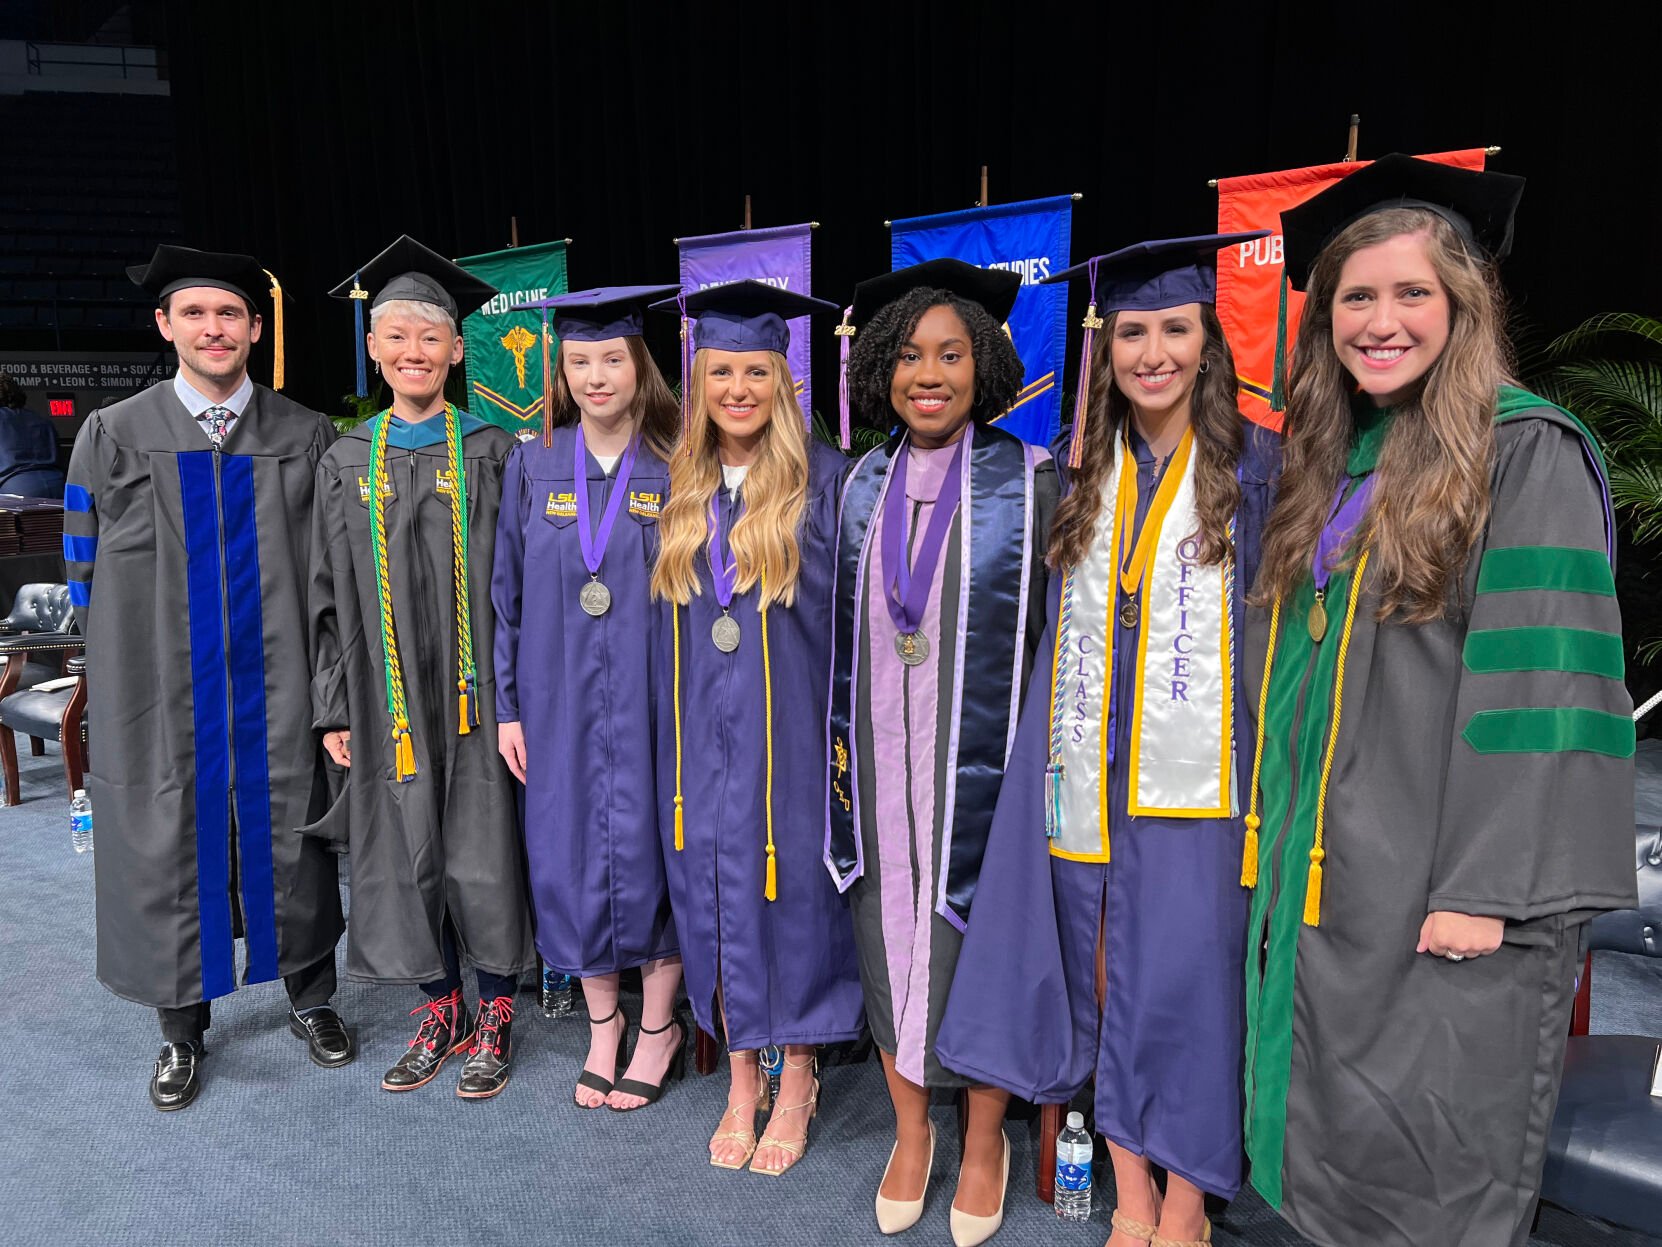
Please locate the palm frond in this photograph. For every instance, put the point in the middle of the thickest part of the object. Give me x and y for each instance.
(1630, 330)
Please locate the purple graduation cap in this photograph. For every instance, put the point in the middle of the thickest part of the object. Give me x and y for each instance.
(1144, 277)
(596, 315)
(735, 316)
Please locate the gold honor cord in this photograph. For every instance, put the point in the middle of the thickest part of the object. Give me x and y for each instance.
(404, 766)
(1131, 574)
(1318, 849)
(771, 887)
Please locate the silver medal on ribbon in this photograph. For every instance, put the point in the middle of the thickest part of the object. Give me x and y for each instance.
(725, 633)
(911, 647)
(595, 599)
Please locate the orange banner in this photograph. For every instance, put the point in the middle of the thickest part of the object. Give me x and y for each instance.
(1249, 275)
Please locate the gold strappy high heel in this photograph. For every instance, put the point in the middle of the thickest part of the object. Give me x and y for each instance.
(794, 1148)
(747, 1136)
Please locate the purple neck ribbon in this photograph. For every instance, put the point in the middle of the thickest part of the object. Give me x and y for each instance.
(906, 595)
(1342, 519)
(594, 544)
(724, 565)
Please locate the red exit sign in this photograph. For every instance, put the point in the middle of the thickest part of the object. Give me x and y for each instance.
(61, 407)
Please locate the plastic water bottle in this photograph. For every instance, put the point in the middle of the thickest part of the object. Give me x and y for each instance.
(80, 821)
(559, 993)
(1073, 1170)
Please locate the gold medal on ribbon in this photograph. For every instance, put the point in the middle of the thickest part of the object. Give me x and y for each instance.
(1316, 620)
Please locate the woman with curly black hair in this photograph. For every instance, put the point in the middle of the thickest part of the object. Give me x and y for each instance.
(927, 681)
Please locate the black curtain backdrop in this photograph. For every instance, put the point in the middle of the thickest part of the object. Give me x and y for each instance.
(313, 134)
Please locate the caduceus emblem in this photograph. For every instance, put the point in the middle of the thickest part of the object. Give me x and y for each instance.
(517, 341)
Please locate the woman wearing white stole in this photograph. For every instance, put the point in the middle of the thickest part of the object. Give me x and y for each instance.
(1108, 931)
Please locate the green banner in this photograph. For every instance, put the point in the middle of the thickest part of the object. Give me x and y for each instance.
(504, 352)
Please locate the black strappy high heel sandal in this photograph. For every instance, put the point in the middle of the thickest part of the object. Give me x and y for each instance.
(677, 1066)
(594, 1082)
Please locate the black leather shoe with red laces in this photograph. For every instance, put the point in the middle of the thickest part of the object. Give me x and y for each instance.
(490, 1059)
(445, 1030)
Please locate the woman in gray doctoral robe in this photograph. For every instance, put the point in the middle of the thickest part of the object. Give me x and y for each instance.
(1442, 790)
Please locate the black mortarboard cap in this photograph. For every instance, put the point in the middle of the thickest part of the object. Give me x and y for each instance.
(993, 289)
(744, 315)
(408, 270)
(1480, 205)
(1148, 276)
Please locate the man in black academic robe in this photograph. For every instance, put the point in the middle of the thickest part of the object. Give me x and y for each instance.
(186, 530)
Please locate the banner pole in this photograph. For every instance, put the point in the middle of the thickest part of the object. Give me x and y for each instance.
(1350, 147)
(982, 202)
(513, 231)
(747, 212)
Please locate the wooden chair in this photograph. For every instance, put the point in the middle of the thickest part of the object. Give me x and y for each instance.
(55, 709)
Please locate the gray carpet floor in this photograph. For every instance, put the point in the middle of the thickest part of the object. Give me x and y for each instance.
(277, 1151)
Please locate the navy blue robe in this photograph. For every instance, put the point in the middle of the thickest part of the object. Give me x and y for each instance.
(580, 688)
(786, 968)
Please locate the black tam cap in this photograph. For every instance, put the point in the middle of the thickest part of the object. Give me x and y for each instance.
(1479, 205)
(408, 270)
(178, 268)
(993, 289)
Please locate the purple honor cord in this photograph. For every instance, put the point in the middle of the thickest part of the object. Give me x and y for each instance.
(906, 595)
(594, 544)
(724, 567)
(1342, 519)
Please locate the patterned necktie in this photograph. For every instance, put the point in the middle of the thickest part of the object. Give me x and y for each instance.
(215, 422)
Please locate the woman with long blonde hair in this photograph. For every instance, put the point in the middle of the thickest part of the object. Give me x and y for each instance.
(1442, 783)
(575, 542)
(744, 572)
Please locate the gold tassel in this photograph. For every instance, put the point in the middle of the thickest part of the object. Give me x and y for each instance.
(680, 838)
(1249, 853)
(1313, 890)
(276, 330)
(773, 876)
(463, 726)
(404, 752)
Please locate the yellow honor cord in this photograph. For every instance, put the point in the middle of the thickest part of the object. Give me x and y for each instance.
(771, 889)
(1318, 848)
(675, 628)
(1318, 853)
(467, 716)
(1249, 852)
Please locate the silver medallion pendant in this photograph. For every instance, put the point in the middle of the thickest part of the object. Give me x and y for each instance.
(725, 633)
(912, 647)
(1130, 613)
(595, 599)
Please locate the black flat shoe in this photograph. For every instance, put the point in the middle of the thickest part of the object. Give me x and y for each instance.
(327, 1040)
(445, 1031)
(490, 1060)
(651, 1091)
(177, 1079)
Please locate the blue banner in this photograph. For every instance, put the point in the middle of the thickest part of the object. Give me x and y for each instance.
(1032, 239)
(781, 256)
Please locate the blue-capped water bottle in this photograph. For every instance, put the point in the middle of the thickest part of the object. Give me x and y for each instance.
(1073, 1170)
(558, 997)
(80, 821)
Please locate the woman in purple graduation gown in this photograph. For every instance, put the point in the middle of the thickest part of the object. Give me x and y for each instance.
(744, 572)
(1108, 931)
(575, 541)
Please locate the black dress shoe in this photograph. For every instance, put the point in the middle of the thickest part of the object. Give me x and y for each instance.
(177, 1079)
(445, 1030)
(327, 1041)
(490, 1060)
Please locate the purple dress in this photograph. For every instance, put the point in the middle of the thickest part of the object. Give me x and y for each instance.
(785, 968)
(580, 687)
(1165, 1048)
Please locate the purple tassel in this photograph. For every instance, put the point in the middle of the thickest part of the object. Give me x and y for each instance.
(1082, 392)
(845, 332)
(686, 372)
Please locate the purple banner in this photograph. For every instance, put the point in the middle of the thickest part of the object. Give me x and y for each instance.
(781, 256)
